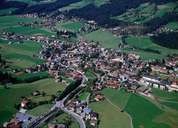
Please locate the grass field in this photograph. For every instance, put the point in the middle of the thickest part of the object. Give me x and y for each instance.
(10, 21)
(106, 39)
(7, 11)
(172, 25)
(169, 99)
(21, 55)
(40, 110)
(110, 116)
(11, 24)
(62, 118)
(148, 49)
(122, 96)
(83, 96)
(84, 3)
(143, 113)
(9, 97)
(138, 15)
(29, 31)
(71, 26)
(139, 107)
(146, 12)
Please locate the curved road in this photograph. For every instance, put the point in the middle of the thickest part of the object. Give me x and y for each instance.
(59, 105)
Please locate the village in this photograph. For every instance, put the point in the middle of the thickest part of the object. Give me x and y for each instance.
(113, 69)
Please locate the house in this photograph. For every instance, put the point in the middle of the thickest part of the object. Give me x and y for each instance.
(173, 86)
(24, 103)
(113, 84)
(99, 97)
(13, 124)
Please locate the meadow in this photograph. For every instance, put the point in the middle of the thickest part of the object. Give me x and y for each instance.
(104, 37)
(9, 97)
(147, 49)
(84, 3)
(157, 112)
(70, 26)
(20, 55)
(11, 24)
(146, 12)
(64, 118)
(110, 115)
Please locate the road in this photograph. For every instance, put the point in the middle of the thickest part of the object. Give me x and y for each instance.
(59, 105)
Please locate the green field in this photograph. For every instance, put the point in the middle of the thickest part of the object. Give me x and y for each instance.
(110, 115)
(138, 15)
(146, 12)
(147, 49)
(139, 107)
(20, 55)
(83, 3)
(29, 31)
(9, 97)
(172, 25)
(11, 24)
(122, 96)
(11, 21)
(7, 11)
(169, 99)
(105, 38)
(70, 26)
(143, 112)
(83, 96)
(40, 110)
(64, 119)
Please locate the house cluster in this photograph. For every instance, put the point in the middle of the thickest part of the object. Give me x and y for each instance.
(81, 108)
(116, 69)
